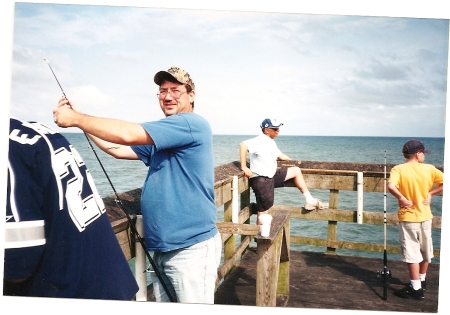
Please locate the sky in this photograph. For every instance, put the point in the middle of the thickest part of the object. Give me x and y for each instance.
(365, 68)
(319, 74)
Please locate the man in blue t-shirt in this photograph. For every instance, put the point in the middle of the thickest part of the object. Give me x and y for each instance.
(58, 238)
(177, 201)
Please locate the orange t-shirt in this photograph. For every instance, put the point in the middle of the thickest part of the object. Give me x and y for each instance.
(414, 181)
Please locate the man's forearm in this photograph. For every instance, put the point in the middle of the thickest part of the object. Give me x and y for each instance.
(118, 151)
(108, 129)
(114, 130)
(243, 155)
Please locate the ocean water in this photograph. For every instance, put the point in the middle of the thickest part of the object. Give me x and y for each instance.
(127, 175)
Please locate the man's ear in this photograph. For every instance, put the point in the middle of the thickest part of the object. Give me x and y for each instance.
(191, 96)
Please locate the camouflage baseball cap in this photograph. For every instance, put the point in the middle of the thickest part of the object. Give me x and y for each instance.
(176, 73)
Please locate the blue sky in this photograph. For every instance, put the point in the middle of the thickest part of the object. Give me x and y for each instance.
(319, 74)
(369, 68)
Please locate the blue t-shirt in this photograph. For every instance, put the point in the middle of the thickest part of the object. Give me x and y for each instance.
(177, 201)
(57, 233)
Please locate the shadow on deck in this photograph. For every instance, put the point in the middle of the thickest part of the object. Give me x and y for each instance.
(321, 281)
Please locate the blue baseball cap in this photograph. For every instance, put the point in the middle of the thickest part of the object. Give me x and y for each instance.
(414, 146)
(271, 123)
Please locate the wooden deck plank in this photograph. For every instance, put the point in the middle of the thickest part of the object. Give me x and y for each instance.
(322, 281)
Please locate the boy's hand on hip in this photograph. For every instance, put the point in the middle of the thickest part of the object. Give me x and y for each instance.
(405, 203)
(428, 200)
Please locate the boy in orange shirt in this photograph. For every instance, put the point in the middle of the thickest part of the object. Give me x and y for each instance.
(414, 183)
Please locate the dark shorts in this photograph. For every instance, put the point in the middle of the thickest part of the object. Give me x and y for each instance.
(263, 187)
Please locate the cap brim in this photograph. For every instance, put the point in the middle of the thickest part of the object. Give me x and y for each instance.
(428, 151)
(163, 75)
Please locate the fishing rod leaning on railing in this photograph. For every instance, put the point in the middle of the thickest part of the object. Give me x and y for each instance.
(385, 273)
(118, 201)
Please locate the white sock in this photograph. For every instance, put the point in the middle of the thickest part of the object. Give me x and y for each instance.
(422, 276)
(416, 284)
(308, 197)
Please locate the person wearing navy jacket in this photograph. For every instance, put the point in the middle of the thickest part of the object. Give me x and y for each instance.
(58, 238)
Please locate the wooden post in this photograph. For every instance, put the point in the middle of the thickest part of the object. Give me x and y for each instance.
(268, 267)
(283, 277)
(245, 201)
(332, 232)
(140, 264)
(332, 225)
(229, 245)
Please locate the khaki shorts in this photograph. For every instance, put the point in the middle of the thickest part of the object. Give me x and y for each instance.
(415, 241)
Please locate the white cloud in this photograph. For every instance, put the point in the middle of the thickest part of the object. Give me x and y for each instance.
(246, 65)
(90, 96)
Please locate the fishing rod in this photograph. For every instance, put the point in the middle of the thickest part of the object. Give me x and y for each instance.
(119, 203)
(385, 273)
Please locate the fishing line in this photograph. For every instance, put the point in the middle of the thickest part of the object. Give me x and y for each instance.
(119, 203)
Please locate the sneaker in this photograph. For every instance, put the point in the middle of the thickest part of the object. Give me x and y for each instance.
(424, 285)
(408, 292)
(317, 204)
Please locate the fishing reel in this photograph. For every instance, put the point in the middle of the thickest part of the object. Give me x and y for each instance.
(385, 273)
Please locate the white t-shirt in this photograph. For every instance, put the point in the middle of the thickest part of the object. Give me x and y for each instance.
(263, 154)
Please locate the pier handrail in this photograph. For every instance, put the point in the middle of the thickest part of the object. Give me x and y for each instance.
(272, 267)
(236, 237)
(273, 256)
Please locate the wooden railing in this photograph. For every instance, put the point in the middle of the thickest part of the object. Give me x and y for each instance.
(343, 176)
(230, 183)
(272, 268)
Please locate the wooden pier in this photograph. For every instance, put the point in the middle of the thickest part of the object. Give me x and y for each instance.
(271, 274)
(324, 281)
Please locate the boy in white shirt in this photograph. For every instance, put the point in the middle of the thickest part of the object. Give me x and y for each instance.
(263, 174)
